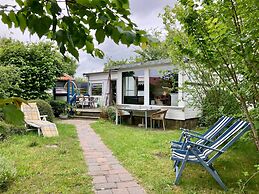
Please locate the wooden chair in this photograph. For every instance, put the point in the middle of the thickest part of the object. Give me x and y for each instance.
(158, 116)
(33, 118)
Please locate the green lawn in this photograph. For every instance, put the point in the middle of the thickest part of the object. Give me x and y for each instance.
(146, 155)
(42, 168)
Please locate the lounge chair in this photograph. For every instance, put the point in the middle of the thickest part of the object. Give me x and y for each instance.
(33, 119)
(204, 138)
(194, 154)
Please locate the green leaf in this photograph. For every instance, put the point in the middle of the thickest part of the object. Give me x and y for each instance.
(6, 20)
(13, 18)
(100, 35)
(13, 115)
(83, 2)
(19, 2)
(22, 21)
(115, 35)
(41, 25)
(73, 51)
(89, 46)
(98, 53)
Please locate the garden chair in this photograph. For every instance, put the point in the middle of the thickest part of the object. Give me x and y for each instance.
(33, 118)
(192, 153)
(158, 116)
(204, 138)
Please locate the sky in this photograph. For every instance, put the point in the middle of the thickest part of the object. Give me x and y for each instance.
(143, 12)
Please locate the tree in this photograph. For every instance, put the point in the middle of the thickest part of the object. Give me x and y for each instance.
(35, 65)
(219, 39)
(9, 81)
(73, 24)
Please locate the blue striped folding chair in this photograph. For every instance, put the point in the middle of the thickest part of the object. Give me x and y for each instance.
(193, 153)
(207, 137)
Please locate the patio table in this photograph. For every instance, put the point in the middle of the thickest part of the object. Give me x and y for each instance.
(136, 109)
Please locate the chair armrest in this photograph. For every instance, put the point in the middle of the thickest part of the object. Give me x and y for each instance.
(203, 146)
(44, 117)
(187, 134)
(159, 112)
(190, 131)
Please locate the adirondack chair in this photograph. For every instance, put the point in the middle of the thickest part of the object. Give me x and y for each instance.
(192, 153)
(33, 119)
(204, 138)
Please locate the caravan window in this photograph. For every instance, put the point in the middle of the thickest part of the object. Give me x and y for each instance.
(96, 89)
(163, 87)
(133, 87)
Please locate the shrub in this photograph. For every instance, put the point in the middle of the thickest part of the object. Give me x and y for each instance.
(9, 129)
(111, 111)
(44, 109)
(108, 113)
(216, 104)
(58, 107)
(104, 113)
(7, 172)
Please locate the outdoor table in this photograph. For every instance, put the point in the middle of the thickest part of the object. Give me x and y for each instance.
(138, 109)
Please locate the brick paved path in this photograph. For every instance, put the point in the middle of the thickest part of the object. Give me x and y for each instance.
(109, 177)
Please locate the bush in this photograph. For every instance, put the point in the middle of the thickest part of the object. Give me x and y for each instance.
(44, 109)
(108, 113)
(7, 173)
(58, 107)
(216, 104)
(111, 111)
(8, 129)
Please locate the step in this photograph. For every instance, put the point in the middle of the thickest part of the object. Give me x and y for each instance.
(85, 117)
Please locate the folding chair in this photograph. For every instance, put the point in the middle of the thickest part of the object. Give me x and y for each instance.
(192, 153)
(204, 138)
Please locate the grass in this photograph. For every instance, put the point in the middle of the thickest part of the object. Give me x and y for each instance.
(146, 154)
(47, 165)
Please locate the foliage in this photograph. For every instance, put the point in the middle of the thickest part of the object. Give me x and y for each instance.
(156, 50)
(111, 112)
(75, 24)
(44, 109)
(219, 40)
(217, 103)
(145, 154)
(116, 63)
(9, 129)
(249, 177)
(58, 107)
(51, 165)
(108, 113)
(9, 81)
(38, 65)
(12, 115)
(7, 173)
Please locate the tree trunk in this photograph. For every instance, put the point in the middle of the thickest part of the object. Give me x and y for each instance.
(254, 131)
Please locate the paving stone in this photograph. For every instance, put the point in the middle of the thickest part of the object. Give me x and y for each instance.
(99, 179)
(102, 186)
(136, 190)
(120, 191)
(112, 178)
(127, 184)
(125, 177)
(104, 192)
